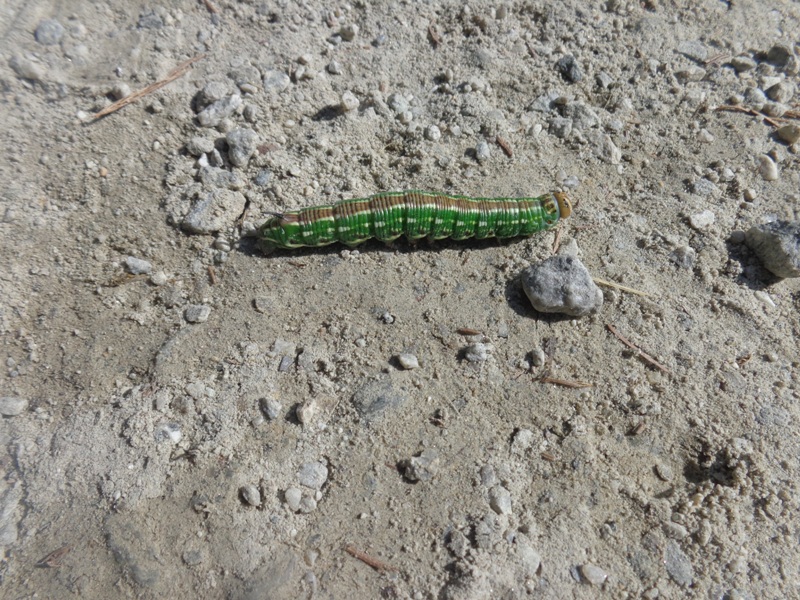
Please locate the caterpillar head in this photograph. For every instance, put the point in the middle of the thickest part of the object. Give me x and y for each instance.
(564, 205)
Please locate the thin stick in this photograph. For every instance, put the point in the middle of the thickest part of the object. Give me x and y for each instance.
(641, 353)
(566, 383)
(619, 287)
(747, 111)
(375, 563)
(557, 239)
(53, 560)
(177, 72)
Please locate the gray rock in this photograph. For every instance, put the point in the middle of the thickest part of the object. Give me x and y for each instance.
(197, 313)
(743, 63)
(242, 143)
(678, 565)
(694, 49)
(250, 494)
(754, 98)
(422, 467)
(583, 117)
(777, 245)
(607, 150)
(482, 152)
(11, 406)
(779, 55)
(150, 20)
(26, 68)
(270, 407)
(293, 496)
(49, 32)
(408, 361)
(704, 187)
(560, 127)
(375, 398)
(593, 574)
(199, 145)
(683, 256)
(781, 92)
(313, 475)
(568, 68)
(398, 103)
(275, 81)
(767, 168)
(789, 133)
(138, 266)
(477, 352)
(348, 101)
(561, 284)
(215, 211)
(212, 115)
(702, 220)
(349, 32)
(500, 500)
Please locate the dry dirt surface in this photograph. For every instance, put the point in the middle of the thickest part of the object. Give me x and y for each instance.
(184, 416)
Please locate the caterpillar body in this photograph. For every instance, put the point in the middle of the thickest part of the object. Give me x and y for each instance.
(415, 214)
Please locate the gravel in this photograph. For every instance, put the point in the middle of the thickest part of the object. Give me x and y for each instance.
(567, 66)
(49, 32)
(197, 313)
(212, 115)
(408, 361)
(137, 266)
(214, 211)
(422, 467)
(313, 475)
(11, 406)
(242, 144)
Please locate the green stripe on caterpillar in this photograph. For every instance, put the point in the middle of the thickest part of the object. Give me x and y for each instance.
(388, 215)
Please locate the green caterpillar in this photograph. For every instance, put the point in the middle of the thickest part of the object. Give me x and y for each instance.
(388, 215)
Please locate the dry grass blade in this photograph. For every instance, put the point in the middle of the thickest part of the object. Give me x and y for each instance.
(577, 385)
(53, 560)
(505, 146)
(375, 563)
(611, 284)
(748, 111)
(177, 72)
(641, 353)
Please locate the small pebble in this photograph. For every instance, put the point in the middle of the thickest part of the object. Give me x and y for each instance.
(683, 256)
(789, 133)
(349, 32)
(214, 211)
(767, 168)
(705, 136)
(690, 74)
(197, 313)
(678, 565)
(569, 69)
(212, 115)
(293, 496)
(313, 475)
(27, 69)
(307, 505)
(250, 494)
(199, 145)
(522, 441)
(49, 32)
(607, 150)
(779, 55)
(121, 90)
(306, 412)
(703, 220)
(158, 278)
(704, 187)
(275, 81)
(561, 284)
(408, 361)
(777, 245)
(482, 152)
(422, 467)
(500, 500)
(593, 574)
(137, 266)
(270, 407)
(781, 92)
(348, 101)
(242, 144)
(743, 63)
(477, 352)
(334, 68)
(398, 103)
(11, 406)
(538, 357)
(664, 472)
(749, 194)
(433, 133)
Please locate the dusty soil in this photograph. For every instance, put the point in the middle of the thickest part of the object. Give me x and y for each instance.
(243, 454)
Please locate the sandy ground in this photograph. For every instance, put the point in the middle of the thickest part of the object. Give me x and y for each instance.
(213, 422)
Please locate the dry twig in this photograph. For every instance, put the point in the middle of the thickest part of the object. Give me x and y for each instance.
(375, 563)
(619, 287)
(53, 560)
(748, 111)
(506, 147)
(177, 72)
(641, 353)
(577, 385)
